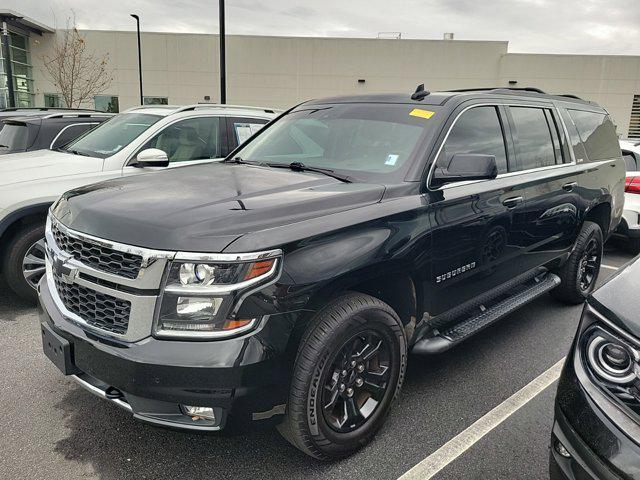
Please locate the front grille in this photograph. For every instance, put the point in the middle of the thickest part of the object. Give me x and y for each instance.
(97, 309)
(97, 256)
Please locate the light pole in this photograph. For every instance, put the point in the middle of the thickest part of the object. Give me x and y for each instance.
(139, 55)
(223, 80)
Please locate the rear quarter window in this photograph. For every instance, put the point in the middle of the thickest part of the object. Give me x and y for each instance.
(597, 133)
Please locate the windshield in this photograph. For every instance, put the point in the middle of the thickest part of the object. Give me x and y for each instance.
(113, 135)
(366, 141)
(13, 137)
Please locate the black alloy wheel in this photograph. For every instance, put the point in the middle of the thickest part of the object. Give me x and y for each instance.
(590, 265)
(356, 382)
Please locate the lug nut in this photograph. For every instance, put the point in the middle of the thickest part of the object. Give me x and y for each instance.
(342, 387)
(360, 368)
(359, 382)
(353, 363)
(349, 392)
(344, 373)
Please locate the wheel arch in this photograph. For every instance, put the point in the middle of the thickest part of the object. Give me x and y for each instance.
(398, 290)
(600, 214)
(18, 218)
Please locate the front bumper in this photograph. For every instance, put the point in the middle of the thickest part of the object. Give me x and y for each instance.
(244, 379)
(596, 433)
(583, 464)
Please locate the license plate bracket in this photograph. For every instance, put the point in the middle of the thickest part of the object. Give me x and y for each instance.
(57, 349)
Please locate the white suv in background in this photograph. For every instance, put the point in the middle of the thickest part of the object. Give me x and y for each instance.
(139, 140)
(630, 225)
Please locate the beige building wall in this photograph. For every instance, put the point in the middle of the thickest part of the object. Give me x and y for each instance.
(282, 71)
(609, 80)
(279, 71)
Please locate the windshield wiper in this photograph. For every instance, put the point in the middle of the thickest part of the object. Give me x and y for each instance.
(301, 167)
(242, 161)
(75, 152)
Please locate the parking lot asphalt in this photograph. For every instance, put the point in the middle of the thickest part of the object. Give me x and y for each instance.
(51, 428)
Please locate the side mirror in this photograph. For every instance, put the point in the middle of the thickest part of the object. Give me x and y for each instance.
(152, 157)
(466, 166)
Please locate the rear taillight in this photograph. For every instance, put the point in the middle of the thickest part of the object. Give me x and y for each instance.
(632, 185)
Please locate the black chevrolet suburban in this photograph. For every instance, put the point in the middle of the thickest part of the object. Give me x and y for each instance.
(287, 284)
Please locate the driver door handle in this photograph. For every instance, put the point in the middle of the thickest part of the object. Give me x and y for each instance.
(512, 202)
(569, 186)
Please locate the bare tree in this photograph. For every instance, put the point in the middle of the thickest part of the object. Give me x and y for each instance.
(77, 73)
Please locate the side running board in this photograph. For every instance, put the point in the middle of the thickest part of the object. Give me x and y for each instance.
(469, 326)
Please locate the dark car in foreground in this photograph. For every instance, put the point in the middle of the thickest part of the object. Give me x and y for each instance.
(46, 129)
(288, 283)
(596, 433)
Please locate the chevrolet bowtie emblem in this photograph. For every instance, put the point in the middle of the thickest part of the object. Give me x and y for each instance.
(63, 271)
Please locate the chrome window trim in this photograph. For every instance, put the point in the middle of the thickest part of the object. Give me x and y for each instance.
(69, 126)
(503, 175)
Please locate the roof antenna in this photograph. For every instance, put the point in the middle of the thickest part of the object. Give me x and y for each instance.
(420, 93)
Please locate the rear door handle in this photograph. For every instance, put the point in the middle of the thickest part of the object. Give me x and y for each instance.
(569, 186)
(512, 202)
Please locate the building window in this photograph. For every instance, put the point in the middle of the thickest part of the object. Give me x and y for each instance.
(22, 72)
(634, 124)
(106, 103)
(155, 100)
(53, 100)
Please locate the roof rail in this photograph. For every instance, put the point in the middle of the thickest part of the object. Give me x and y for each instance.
(570, 95)
(88, 113)
(46, 109)
(196, 106)
(490, 89)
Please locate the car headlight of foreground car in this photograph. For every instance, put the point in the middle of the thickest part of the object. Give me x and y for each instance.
(612, 359)
(200, 294)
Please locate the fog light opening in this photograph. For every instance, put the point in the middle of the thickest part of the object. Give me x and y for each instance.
(199, 413)
(562, 451)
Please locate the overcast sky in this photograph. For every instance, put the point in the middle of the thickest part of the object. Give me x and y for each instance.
(544, 26)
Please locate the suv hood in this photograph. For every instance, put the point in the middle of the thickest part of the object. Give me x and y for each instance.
(203, 208)
(616, 298)
(42, 164)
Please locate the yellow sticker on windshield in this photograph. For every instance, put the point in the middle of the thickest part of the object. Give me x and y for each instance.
(418, 112)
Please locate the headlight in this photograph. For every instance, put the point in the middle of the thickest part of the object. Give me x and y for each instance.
(200, 295)
(611, 358)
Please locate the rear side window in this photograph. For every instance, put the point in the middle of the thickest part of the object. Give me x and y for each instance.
(14, 137)
(536, 138)
(597, 134)
(69, 133)
(574, 137)
(479, 131)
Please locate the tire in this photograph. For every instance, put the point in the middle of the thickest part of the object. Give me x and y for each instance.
(349, 318)
(12, 266)
(589, 243)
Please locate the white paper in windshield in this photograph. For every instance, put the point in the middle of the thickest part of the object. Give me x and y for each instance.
(245, 130)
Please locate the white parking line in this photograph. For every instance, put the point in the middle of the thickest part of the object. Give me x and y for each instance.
(459, 444)
(609, 267)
